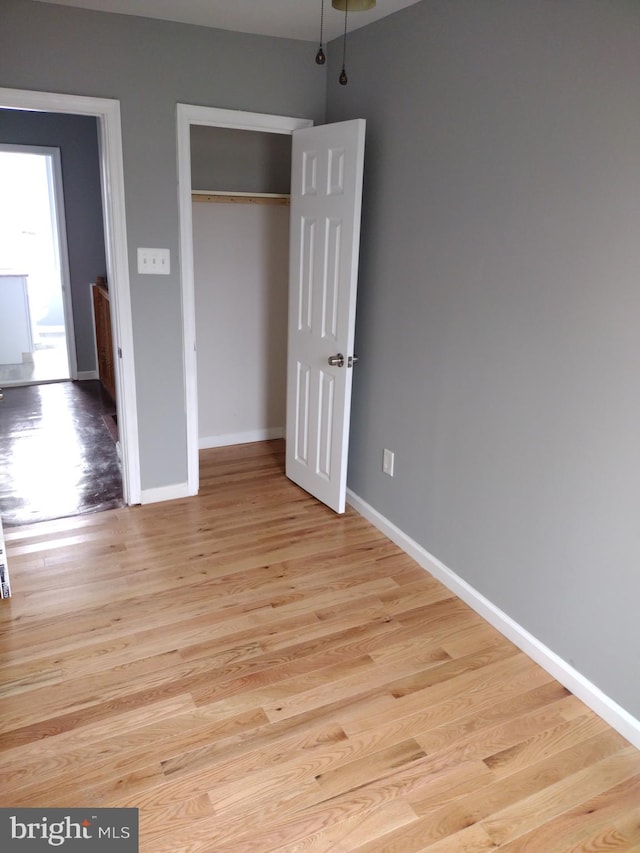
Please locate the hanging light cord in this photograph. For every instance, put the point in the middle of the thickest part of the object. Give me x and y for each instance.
(343, 74)
(320, 57)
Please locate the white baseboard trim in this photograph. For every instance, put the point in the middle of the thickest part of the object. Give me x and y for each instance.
(614, 714)
(207, 441)
(164, 493)
(87, 374)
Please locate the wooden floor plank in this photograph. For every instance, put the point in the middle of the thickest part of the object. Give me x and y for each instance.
(588, 826)
(258, 675)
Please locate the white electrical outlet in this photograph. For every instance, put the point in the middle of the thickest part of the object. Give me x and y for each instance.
(154, 261)
(388, 461)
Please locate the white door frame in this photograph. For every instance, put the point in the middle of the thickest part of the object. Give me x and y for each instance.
(107, 112)
(56, 204)
(187, 115)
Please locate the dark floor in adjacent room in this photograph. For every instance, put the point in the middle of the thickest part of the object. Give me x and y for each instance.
(58, 453)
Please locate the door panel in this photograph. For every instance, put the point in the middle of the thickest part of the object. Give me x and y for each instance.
(326, 192)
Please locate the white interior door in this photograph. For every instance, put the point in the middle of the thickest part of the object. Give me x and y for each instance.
(326, 193)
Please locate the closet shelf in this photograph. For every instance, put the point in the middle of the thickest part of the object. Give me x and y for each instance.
(239, 198)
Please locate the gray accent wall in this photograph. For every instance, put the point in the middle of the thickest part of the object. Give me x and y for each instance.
(499, 307)
(77, 139)
(150, 66)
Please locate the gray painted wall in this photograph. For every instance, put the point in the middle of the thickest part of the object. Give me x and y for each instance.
(232, 160)
(149, 66)
(499, 307)
(77, 139)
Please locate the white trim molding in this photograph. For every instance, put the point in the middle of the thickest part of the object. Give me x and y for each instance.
(83, 375)
(208, 441)
(614, 714)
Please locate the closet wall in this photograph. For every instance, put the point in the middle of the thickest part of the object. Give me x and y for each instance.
(241, 250)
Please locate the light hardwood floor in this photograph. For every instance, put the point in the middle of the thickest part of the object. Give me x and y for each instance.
(257, 674)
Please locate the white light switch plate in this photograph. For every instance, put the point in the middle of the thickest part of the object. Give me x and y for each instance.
(388, 461)
(154, 261)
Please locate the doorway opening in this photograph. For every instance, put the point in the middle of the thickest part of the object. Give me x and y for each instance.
(35, 315)
(187, 117)
(107, 113)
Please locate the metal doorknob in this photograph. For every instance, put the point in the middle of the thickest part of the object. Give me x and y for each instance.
(336, 360)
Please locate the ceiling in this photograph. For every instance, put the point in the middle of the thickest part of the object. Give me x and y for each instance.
(298, 19)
